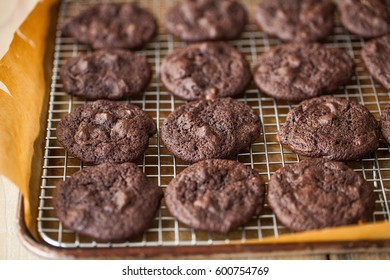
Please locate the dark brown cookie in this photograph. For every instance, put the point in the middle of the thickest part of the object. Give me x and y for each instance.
(317, 193)
(208, 129)
(332, 128)
(376, 57)
(106, 74)
(202, 20)
(300, 71)
(206, 70)
(106, 131)
(296, 20)
(109, 202)
(366, 18)
(385, 123)
(112, 25)
(215, 195)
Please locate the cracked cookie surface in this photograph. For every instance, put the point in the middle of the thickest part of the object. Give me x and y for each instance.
(215, 195)
(367, 18)
(318, 193)
(205, 71)
(376, 57)
(296, 20)
(332, 128)
(296, 72)
(106, 131)
(112, 25)
(109, 202)
(385, 123)
(106, 74)
(202, 20)
(208, 129)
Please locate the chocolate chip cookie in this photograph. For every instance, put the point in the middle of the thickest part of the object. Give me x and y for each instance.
(332, 128)
(317, 193)
(376, 57)
(205, 71)
(385, 123)
(106, 131)
(296, 20)
(300, 71)
(108, 202)
(112, 25)
(215, 195)
(208, 129)
(106, 74)
(202, 20)
(366, 18)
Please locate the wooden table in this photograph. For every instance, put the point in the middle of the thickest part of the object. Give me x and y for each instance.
(12, 248)
(10, 244)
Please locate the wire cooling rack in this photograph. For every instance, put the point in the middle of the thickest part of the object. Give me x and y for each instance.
(266, 155)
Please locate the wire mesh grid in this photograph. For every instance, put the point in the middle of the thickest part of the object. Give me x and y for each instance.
(266, 155)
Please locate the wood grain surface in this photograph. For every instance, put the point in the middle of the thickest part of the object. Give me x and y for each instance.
(10, 246)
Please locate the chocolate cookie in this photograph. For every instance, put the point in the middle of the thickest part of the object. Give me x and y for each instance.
(215, 195)
(206, 70)
(332, 128)
(106, 74)
(112, 25)
(300, 71)
(106, 131)
(208, 129)
(201, 20)
(109, 202)
(385, 123)
(296, 20)
(317, 193)
(366, 18)
(376, 57)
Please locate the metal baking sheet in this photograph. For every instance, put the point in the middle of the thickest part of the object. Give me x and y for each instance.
(266, 155)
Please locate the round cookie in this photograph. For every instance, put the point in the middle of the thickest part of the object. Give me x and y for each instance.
(202, 20)
(106, 74)
(106, 131)
(205, 71)
(296, 20)
(215, 195)
(316, 193)
(376, 57)
(385, 123)
(300, 71)
(108, 202)
(366, 18)
(208, 129)
(332, 128)
(112, 25)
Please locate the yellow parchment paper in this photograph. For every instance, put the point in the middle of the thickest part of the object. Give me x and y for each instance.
(378, 231)
(12, 15)
(24, 73)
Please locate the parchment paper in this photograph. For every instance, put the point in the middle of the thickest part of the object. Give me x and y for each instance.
(12, 15)
(24, 77)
